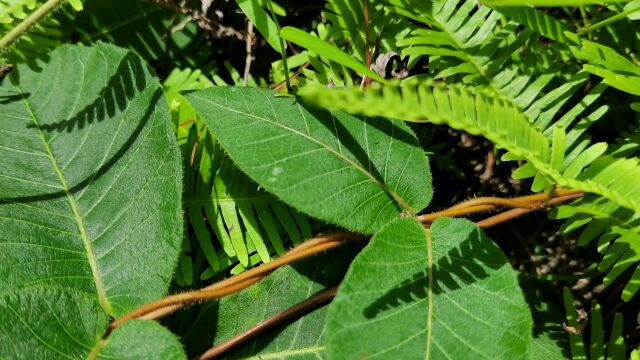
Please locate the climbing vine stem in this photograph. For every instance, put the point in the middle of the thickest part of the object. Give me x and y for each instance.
(520, 206)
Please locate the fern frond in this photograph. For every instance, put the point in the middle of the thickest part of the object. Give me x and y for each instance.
(615, 69)
(616, 231)
(471, 42)
(243, 217)
(537, 21)
(35, 43)
(596, 348)
(348, 20)
(601, 60)
(483, 113)
(15, 10)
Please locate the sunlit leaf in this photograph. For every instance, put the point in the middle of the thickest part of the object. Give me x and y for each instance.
(445, 292)
(356, 172)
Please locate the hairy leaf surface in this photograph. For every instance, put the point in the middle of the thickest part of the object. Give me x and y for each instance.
(356, 172)
(90, 178)
(40, 323)
(443, 293)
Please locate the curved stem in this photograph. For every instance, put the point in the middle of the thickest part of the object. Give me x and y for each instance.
(319, 244)
(292, 312)
(485, 204)
(514, 213)
(28, 22)
(236, 283)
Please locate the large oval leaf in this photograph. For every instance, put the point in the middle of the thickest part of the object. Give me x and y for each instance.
(443, 293)
(358, 173)
(39, 323)
(90, 183)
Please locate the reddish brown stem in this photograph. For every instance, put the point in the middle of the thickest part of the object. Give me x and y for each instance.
(514, 213)
(236, 283)
(485, 204)
(314, 246)
(291, 313)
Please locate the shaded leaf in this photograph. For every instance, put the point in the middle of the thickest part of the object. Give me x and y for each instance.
(150, 30)
(217, 322)
(142, 339)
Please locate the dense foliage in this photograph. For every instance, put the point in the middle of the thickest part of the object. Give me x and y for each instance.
(174, 173)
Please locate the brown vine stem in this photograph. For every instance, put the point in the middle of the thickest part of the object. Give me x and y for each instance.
(484, 204)
(290, 313)
(171, 303)
(514, 213)
(532, 203)
(521, 201)
(236, 283)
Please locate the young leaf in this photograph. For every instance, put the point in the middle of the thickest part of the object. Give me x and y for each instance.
(42, 323)
(328, 50)
(90, 181)
(356, 172)
(447, 292)
(265, 24)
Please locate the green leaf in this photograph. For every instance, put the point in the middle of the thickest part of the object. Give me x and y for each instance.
(286, 287)
(537, 21)
(76, 4)
(41, 323)
(358, 173)
(263, 22)
(617, 79)
(90, 183)
(327, 50)
(481, 112)
(447, 292)
(615, 70)
(142, 339)
(632, 10)
(575, 340)
(545, 3)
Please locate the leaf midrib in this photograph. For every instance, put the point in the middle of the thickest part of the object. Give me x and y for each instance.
(73, 205)
(427, 234)
(403, 204)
